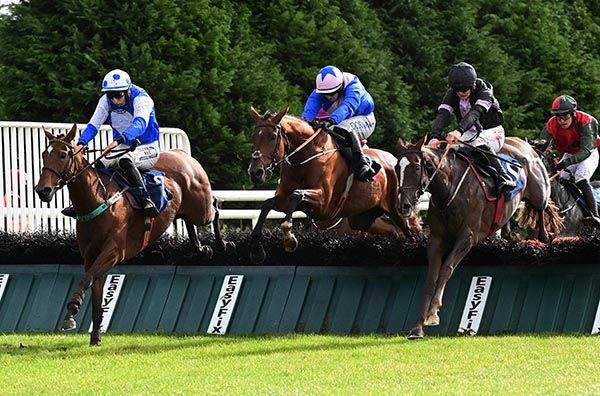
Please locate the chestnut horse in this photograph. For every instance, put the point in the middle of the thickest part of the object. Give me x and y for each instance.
(460, 216)
(313, 179)
(117, 234)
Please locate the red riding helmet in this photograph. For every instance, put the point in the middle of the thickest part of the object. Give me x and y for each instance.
(563, 105)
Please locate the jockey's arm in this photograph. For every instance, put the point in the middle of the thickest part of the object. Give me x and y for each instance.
(589, 134)
(349, 105)
(471, 118)
(142, 108)
(312, 106)
(98, 118)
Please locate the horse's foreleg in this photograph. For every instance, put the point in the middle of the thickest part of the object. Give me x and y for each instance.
(257, 252)
(435, 252)
(97, 313)
(290, 243)
(110, 255)
(225, 246)
(75, 302)
(461, 247)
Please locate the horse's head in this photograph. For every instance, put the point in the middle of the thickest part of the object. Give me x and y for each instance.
(548, 157)
(58, 164)
(411, 174)
(268, 146)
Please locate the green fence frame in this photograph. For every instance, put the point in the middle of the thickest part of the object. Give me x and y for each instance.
(307, 299)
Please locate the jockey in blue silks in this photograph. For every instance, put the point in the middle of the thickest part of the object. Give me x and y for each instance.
(340, 102)
(129, 110)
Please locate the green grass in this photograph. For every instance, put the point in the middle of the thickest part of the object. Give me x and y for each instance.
(298, 364)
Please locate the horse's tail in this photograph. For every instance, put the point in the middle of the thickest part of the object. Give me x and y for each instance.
(528, 218)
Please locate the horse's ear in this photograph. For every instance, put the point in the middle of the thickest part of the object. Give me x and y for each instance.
(280, 115)
(400, 144)
(421, 141)
(49, 135)
(71, 135)
(254, 114)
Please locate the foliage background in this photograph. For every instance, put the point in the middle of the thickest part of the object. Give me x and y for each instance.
(206, 62)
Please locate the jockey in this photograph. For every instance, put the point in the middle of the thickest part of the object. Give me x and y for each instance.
(575, 135)
(341, 102)
(479, 118)
(130, 112)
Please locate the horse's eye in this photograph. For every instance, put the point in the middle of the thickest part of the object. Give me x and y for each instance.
(273, 136)
(63, 155)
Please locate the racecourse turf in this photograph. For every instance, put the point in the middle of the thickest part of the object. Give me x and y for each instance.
(154, 364)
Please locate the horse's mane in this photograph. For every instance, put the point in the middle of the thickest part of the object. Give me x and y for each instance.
(297, 124)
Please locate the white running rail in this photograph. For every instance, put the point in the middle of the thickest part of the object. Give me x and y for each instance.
(21, 147)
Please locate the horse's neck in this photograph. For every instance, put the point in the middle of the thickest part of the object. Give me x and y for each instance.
(447, 179)
(298, 132)
(85, 191)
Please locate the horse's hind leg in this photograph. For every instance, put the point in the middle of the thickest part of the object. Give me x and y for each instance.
(225, 246)
(193, 235)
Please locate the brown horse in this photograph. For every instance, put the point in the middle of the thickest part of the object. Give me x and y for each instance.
(313, 179)
(564, 193)
(117, 234)
(382, 225)
(460, 216)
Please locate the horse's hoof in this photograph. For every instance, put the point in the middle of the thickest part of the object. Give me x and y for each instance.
(257, 255)
(206, 251)
(68, 324)
(229, 247)
(95, 340)
(290, 244)
(416, 333)
(432, 320)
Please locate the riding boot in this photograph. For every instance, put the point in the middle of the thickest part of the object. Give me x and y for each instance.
(364, 168)
(134, 178)
(69, 211)
(505, 183)
(590, 201)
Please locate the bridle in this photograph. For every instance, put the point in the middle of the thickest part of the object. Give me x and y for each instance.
(420, 189)
(279, 137)
(69, 169)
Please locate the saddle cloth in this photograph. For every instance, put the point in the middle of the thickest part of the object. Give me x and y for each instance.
(513, 169)
(153, 180)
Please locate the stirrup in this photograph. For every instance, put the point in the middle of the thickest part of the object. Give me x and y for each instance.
(150, 209)
(365, 172)
(505, 185)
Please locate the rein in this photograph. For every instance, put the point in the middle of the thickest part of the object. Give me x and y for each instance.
(64, 181)
(286, 158)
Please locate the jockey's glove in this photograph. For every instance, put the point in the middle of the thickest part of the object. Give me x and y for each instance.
(323, 123)
(562, 165)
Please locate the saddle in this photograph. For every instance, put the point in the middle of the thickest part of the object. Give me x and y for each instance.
(512, 167)
(155, 184)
